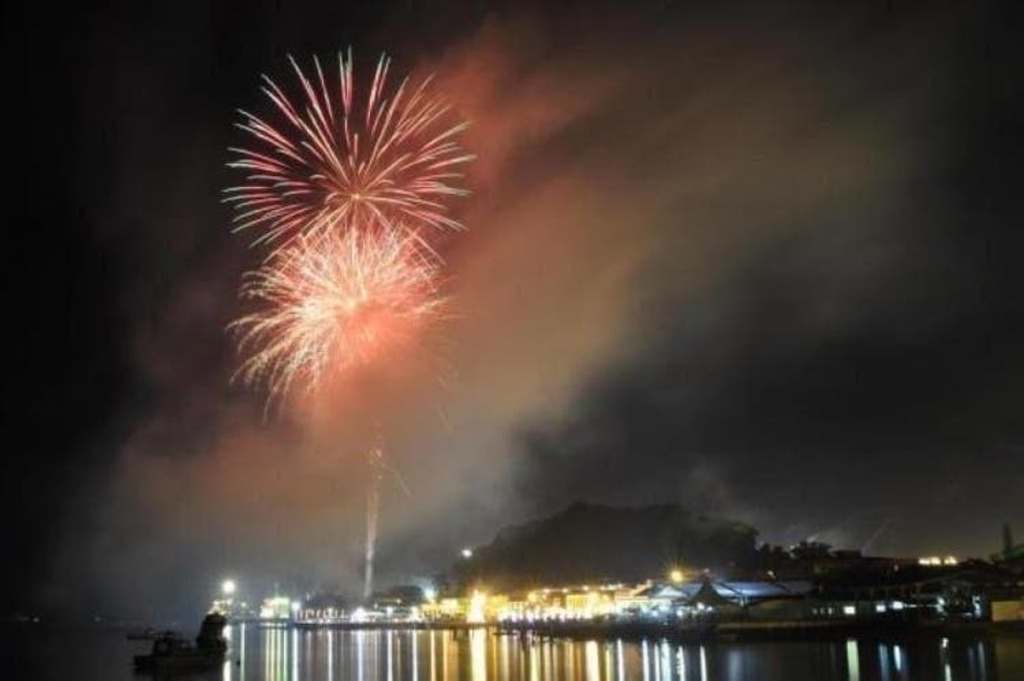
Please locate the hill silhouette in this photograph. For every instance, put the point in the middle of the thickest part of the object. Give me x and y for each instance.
(593, 543)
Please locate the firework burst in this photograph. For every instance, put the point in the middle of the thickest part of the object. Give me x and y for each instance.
(336, 161)
(333, 302)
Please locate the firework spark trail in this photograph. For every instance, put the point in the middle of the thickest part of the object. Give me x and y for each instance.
(376, 464)
(330, 303)
(336, 162)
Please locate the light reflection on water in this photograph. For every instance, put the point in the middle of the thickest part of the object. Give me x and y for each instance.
(282, 654)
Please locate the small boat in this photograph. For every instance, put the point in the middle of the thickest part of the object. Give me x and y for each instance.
(174, 653)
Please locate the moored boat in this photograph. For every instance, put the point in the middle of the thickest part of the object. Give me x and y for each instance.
(174, 653)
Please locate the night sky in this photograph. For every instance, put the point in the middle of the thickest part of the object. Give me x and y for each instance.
(764, 264)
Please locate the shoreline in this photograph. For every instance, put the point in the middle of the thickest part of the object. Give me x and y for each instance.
(729, 632)
(723, 632)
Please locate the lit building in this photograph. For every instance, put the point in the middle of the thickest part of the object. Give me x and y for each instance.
(322, 609)
(278, 608)
(652, 600)
(445, 609)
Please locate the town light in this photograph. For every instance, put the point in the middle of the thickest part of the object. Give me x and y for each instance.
(477, 605)
(228, 587)
(467, 553)
(676, 575)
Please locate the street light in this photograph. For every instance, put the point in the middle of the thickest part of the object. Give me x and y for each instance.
(676, 575)
(467, 553)
(228, 587)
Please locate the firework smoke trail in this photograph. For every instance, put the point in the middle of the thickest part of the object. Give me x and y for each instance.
(378, 467)
(376, 461)
(337, 162)
(332, 303)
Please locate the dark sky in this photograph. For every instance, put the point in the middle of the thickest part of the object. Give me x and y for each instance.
(765, 264)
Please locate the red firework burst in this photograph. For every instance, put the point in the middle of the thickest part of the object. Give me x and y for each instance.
(332, 302)
(336, 161)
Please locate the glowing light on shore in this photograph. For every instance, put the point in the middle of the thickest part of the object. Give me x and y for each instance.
(476, 613)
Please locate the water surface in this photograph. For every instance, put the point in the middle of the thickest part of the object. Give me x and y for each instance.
(282, 654)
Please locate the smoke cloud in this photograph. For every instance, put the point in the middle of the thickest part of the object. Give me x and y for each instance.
(699, 254)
